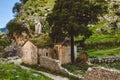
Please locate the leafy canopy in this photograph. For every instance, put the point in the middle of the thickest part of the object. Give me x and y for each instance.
(4, 42)
(42, 41)
(14, 26)
(71, 17)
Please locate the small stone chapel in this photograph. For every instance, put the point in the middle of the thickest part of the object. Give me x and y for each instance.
(31, 54)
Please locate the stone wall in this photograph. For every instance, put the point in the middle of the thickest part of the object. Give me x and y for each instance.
(58, 52)
(105, 60)
(64, 54)
(100, 73)
(45, 52)
(49, 63)
(55, 65)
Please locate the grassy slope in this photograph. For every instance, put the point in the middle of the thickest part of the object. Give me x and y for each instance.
(11, 72)
(104, 50)
(80, 69)
(57, 73)
(114, 51)
(101, 51)
(102, 38)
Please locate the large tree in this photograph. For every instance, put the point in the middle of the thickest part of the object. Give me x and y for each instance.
(15, 27)
(71, 18)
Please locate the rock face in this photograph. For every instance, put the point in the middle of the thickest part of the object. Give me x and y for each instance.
(29, 53)
(100, 73)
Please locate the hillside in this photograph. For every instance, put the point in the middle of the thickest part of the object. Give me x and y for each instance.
(32, 9)
(106, 33)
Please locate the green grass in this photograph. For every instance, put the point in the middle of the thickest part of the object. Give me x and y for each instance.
(11, 72)
(108, 36)
(80, 69)
(36, 67)
(113, 51)
(115, 65)
(102, 38)
(76, 69)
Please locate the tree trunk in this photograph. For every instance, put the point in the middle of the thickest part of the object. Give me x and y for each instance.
(72, 49)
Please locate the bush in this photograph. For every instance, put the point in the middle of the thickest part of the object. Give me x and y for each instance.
(43, 41)
(4, 42)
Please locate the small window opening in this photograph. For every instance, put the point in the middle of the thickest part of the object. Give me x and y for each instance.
(46, 54)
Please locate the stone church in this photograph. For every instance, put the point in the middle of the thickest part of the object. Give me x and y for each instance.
(31, 54)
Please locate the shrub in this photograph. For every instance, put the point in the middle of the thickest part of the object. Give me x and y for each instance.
(43, 41)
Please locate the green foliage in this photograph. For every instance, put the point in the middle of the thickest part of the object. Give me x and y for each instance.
(115, 65)
(23, 1)
(106, 31)
(11, 72)
(43, 41)
(36, 6)
(14, 26)
(33, 8)
(113, 17)
(104, 37)
(78, 69)
(4, 42)
(16, 8)
(72, 17)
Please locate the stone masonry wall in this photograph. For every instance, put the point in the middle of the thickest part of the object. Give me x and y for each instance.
(49, 63)
(100, 73)
(55, 65)
(105, 60)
